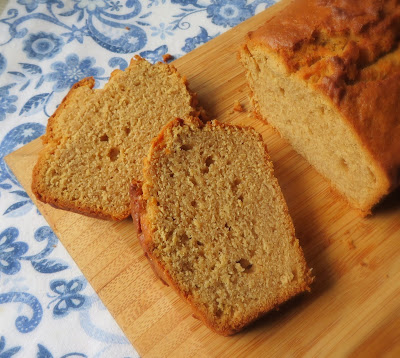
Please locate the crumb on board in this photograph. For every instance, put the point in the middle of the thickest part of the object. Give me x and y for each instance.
(167, 57)
(237, 106)
(364, 264)
(127, 28)
(351, 245)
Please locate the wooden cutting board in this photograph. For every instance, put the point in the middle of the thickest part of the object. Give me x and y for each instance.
(354, 306)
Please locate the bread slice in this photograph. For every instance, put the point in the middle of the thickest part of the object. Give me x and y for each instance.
(327, 77)
(214, 224)
(96, 140)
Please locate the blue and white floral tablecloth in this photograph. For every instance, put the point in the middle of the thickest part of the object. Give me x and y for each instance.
(47, 308)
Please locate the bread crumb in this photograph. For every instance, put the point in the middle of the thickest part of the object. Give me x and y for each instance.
(127, 28)
(351, 245)
(237, 106)
(167, 57)
(364, 264)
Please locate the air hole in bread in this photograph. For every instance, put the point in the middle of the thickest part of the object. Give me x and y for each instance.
(228, 227)
(205, 170)
(127, 130)
(209, 161)
(315, 59)
(240, 197)
(246, 264)
(282, 90)
(228, 162)
(103, 188)
(171, 175)
(113, 154)
(199, 243)
(187, 146)
(236, 182)
(218, 313)
(194, 203)
(185, 238)
(104, 138)
(322, 109)
(193, 180)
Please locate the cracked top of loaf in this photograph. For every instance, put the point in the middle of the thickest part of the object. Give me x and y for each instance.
(349, 50)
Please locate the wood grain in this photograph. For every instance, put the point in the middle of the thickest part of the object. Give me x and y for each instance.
(354, 307)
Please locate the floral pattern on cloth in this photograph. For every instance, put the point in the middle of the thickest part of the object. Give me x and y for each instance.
(45, 47)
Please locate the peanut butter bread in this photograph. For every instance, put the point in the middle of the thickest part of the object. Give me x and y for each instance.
(326, 75)
(96, 140)
(214, 224)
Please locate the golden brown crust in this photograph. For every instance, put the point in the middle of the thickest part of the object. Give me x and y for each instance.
(58, 203)
(139, 215)
(349, 51)
(49, 135)
(139, 221)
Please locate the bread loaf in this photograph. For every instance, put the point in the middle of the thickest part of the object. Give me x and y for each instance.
(214, 224)
(96, 140)
(326, 75)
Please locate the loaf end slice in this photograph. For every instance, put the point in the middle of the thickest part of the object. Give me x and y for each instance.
(96, 140)
(328, 79)
(213, 222)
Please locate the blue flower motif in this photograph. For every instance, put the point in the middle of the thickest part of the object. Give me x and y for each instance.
(156, 55)
(184, 2)
(72, 70)
(192, 42)
(31, 5)
(114, 5)
(43, 352)
(155, 3)
(90, 5)
(118, 62)
(10, 251)
(162, 31)
(6, 102)
(43, 45)
(9, 352)
(76, 34)
(23, 323)
(3, 63)
(228, 12)
(68, 296)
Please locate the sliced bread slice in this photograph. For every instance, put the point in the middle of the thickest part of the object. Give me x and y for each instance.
(96, 140)
(213, 222)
